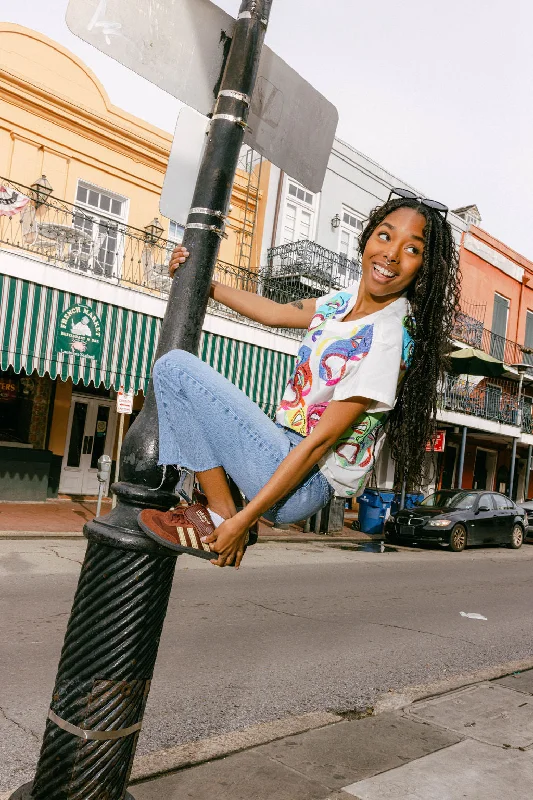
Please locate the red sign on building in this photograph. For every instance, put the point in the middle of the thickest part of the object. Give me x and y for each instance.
(438, 443)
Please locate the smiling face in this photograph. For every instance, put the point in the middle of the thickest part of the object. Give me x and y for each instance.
(393, 254)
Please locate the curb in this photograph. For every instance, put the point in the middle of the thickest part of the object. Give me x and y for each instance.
(191, 754)
(174, 759)
(163, 762)
(267, 538)
(323, 539)
(393, 701)
(13, 535)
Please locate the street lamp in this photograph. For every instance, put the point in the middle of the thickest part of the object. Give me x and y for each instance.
(113, 634)
(153, 232)
(335, 222)
(41, 190)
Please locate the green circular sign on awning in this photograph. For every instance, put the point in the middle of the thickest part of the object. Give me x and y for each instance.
(79, 332)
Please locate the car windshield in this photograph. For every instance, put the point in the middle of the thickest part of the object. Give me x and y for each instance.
(450, 500)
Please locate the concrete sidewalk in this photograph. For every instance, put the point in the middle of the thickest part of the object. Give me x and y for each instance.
(65, 518)
(475, 743)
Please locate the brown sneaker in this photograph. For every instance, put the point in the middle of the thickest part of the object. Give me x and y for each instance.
(180, 529)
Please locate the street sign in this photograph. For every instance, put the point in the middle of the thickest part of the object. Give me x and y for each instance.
(437, 443)
(124, 402)
(291, 124)
(183, 164)
(179, 45)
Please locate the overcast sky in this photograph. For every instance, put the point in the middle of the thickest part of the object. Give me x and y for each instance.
(439, 93)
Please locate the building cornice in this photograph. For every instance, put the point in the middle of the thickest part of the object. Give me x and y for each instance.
(85, 122)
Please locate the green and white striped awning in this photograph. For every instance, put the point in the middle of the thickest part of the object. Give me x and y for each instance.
(31, 315)
(259, 372)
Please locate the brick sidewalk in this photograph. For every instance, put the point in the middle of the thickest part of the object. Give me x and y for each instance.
(68, 516)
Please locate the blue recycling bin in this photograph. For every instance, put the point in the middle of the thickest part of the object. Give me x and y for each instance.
(411, 500)
(373, 507)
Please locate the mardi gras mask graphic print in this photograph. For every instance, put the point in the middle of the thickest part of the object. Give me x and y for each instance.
(336, 356)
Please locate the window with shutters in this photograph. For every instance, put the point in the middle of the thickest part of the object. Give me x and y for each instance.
(527, 358)
(298, 214)
(499, 326)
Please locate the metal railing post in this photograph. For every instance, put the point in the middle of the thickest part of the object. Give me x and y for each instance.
(462, 459)
(113, 634)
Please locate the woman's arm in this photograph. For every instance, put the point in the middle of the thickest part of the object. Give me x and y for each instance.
(277, 315)
(336, 419)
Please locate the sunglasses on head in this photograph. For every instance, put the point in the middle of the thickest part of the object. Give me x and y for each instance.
(406, 194)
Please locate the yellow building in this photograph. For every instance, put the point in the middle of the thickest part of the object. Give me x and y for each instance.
(83, 268)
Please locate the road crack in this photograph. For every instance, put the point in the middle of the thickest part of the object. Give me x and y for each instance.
(66, 558)
(18, 725)
(285, 613)
(416, 630)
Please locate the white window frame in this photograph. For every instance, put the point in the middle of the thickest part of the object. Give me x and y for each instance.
(173, 236)
(353, 232)
(100, 215)
(301, 206)
(346, 229)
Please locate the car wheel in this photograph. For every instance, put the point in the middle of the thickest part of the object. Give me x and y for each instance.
(517, 537)
(458, 539)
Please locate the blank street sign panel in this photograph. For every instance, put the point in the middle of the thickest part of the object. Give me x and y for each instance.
(291, 123)
(183, 164)
(176, 44)
(179, 46)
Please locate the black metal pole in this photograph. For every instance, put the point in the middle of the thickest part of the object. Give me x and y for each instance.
(403, 493)
(512, 472)
(462, 458)
(112, 639)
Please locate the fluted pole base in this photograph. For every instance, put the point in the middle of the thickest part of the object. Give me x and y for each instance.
(24, 793)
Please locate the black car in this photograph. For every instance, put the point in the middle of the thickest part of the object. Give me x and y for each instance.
(527, 506)
(458, 517)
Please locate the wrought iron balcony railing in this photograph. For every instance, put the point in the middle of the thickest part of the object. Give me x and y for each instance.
(497, 402)
(305, 269)
(471, 332)
(77, 239)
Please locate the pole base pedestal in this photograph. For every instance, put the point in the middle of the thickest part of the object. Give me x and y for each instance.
(24, 793)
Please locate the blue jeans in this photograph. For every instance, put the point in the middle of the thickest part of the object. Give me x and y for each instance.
(206, 422)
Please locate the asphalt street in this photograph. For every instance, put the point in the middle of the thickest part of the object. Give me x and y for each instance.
(299, 628)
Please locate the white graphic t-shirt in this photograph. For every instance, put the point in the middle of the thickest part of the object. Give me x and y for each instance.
(337, 360)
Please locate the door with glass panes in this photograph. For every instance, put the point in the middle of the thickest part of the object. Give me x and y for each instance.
(90, 434)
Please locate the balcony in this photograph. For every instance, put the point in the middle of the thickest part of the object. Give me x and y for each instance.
(73, 238)
(470, 331)
(305, 269)
(496, 401)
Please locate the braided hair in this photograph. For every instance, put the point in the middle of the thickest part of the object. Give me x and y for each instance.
(434, 302)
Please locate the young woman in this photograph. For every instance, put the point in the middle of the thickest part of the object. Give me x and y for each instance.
(368, 366)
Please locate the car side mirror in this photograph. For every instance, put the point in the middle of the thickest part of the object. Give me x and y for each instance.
(484, 508)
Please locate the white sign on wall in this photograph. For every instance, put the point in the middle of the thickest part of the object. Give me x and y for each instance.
(124, 402)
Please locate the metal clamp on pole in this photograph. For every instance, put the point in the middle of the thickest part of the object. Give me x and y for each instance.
(200, 226)
(244, 98)
(207, 212)
(232, 118)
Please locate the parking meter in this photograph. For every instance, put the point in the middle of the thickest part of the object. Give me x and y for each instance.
(103, 475)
